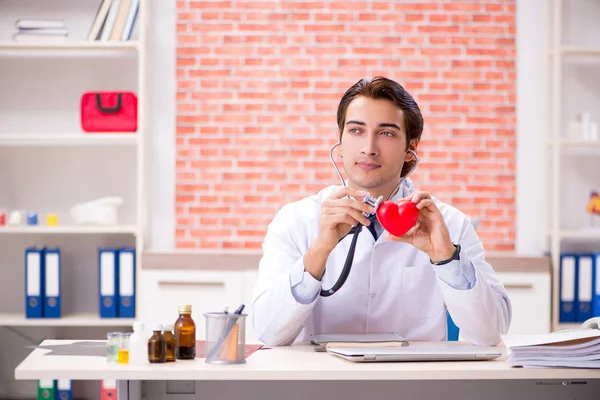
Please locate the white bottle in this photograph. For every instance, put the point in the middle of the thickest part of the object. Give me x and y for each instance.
(138, 343)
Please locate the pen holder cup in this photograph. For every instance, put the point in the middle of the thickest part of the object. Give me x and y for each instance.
(225, 338)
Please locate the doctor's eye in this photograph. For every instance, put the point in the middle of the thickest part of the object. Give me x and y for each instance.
(388, 133)
(354, 130)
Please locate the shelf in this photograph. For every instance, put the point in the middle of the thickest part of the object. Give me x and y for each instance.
(578, 51)
(82, 319)
(69, 45)
(91, 139)
(68, 229)
(575, 143)
(72, 48)
(576, 234)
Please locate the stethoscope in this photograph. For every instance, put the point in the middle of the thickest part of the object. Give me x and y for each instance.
(373, 202)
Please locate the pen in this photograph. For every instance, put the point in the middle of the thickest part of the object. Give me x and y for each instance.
(239, 310)
(228, 327)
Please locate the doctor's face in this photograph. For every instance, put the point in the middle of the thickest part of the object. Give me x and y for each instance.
(374, 146)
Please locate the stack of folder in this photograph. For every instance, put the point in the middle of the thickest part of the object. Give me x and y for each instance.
(579, 286)
(116, 269)
(49, 389)
(117, 288)
(42, 283)
(573, 349)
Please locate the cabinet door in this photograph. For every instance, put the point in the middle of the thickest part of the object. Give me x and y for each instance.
(530, 297)
(207, 291)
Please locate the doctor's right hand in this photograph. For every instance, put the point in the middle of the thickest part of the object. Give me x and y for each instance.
(339, 214)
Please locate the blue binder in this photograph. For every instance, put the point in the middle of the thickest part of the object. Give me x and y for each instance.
(596, 285)
(585, 289)
(34, 278)
(568, 289)
(52, 283)
(64, 390)
(108, 275)
(126, 283)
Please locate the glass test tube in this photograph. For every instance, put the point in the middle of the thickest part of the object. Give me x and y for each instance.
(123, 353)
(112, 347)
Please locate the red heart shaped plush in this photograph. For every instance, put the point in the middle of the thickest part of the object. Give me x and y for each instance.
(397, 219)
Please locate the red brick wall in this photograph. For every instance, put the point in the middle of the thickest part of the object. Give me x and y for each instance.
(258, 88)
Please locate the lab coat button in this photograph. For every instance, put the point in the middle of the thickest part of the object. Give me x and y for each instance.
(372, 295)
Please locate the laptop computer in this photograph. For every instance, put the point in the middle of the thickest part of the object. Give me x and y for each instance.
(451, 351)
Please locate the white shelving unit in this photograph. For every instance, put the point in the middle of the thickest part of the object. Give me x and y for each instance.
(572, 172)
(46, 140)
(69, 229)
(72, 320)
(48, 164)
(76, 45)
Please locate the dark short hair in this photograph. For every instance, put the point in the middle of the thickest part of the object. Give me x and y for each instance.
(384, 88)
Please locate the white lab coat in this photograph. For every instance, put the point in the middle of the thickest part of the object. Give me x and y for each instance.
(392, 286)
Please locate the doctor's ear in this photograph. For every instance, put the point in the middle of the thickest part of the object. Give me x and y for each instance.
(409, 156)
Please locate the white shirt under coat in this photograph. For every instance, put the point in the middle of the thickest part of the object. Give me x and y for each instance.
(392, 287)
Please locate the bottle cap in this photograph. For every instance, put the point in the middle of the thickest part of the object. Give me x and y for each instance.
(168, 327)
(138, 326)
(185, 308)
(157, 327)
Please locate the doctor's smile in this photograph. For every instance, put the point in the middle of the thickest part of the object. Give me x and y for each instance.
(375, 254)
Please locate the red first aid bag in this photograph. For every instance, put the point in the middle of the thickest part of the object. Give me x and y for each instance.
(109, 112)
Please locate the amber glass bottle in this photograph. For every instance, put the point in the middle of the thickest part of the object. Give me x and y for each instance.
(185, 334)
(157, 345)
(171, 342)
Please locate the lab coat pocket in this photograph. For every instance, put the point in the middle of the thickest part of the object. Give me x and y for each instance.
(421, 296)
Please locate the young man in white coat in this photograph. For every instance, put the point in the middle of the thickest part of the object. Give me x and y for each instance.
(397, 284)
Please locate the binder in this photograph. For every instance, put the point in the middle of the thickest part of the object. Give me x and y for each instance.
(108, 389)
(63, 390)
(567, 290)
(107, 281)
(126, 283)
(584, 287)
(34, 278)
(52, 305)
(46, 390)
(596, 285)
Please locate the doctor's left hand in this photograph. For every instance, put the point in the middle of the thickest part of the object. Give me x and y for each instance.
(430, 233)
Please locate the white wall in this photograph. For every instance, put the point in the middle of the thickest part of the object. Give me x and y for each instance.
(532, 44)
(161, 77)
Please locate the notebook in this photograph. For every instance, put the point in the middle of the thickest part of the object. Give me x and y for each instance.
(448, 351)
(369, 340)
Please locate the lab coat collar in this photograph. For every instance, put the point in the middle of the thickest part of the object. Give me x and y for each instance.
(406, 189)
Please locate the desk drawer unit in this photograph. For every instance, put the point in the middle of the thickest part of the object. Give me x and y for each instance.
(207, 291)
(530, 297)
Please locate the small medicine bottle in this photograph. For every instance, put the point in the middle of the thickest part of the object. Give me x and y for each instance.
(157, 346)
(171, 342)
(185, 334)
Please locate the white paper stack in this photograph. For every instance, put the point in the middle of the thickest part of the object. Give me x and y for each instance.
(578, 348)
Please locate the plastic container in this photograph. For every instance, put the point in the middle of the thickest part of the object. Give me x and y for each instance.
(138, 353)
(225, 338)
(104, 211)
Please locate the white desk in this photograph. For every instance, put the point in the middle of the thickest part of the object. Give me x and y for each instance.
(279, 369)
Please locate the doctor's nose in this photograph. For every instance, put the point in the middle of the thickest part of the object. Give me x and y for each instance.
(370, 149)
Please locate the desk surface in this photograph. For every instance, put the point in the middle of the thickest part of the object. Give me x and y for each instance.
(298, 362)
